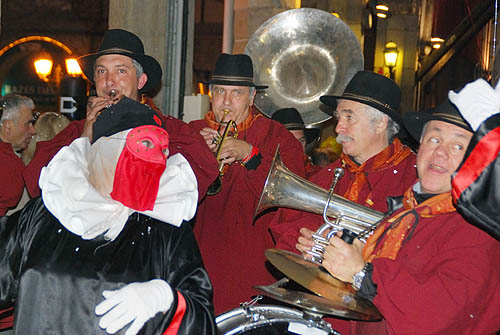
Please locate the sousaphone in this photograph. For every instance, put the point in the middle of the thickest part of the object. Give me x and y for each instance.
(302, 54)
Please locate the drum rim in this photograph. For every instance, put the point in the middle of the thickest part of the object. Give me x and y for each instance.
(286, 314)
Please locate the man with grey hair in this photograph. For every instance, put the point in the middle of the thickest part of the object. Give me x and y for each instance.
(16, 130)
(375, 162)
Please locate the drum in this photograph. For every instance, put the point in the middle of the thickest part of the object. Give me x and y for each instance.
(270, 320)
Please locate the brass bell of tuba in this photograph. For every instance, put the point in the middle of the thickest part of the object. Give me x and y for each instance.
(283, 188)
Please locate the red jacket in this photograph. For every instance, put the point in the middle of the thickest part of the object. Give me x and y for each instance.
(231, 243)
(444, 280)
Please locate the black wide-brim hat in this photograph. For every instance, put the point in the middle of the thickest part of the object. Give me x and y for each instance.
(234, 70)
(122, 42)
(446, 112)
(126, 114)
(292, 120)
(371, 89)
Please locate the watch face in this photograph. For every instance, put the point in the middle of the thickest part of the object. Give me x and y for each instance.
(357, 279)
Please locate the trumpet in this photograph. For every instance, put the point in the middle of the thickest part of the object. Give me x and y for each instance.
(216, 186)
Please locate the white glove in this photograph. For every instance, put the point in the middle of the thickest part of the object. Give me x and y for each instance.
(477, 101)
(137, 302)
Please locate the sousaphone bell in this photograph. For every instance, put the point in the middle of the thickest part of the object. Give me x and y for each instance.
(302, 54)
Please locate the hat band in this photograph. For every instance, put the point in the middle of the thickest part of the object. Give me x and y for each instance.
(113, 50)
(452, 118)
(294, 126)
(368, 99)
(232, 78)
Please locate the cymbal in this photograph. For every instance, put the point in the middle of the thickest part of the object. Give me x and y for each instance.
(346, 304)
(306, 273)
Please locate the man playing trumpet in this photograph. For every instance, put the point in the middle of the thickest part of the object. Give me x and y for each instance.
(121, 68)
(231, 243)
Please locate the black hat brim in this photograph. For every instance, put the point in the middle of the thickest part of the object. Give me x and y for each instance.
(414, 122)
(235, 83)
(150, 66)
(332, 101)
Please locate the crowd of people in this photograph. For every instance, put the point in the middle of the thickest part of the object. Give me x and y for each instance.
(140, 223)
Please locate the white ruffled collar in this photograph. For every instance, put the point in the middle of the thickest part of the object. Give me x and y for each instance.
(69, 196)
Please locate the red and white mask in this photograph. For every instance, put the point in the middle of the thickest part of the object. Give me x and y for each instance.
(128, 165)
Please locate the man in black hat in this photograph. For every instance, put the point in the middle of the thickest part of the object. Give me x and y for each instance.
(121, 68)
(308, 137)
(105, 249)
(426, 269)
(232, 244)
(375, 162)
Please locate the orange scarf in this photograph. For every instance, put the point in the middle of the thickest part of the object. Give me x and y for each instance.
(252, 116)
(389, 157)
(390, 236)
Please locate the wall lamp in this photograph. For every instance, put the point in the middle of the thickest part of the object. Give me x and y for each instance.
(391, 53)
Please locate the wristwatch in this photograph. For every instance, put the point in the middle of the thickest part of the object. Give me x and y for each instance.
(357, 278)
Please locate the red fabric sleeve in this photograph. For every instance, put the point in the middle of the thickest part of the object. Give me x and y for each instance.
(11, 170)
(173, 328)
(187, 141)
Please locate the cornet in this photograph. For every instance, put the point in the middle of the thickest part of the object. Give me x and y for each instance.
(216, 186)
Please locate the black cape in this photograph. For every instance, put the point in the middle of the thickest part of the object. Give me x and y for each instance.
(476, 184)
(56, 278)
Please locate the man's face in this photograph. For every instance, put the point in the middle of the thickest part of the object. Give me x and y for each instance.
(235, 99)
(117, 72)
(22, 130)
(442, 148)
(300, 136)
(360, 137)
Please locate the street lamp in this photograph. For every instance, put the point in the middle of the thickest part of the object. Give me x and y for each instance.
(69, 86)
(43, 67)
(391, 57)
(73, 68)
(382, 11)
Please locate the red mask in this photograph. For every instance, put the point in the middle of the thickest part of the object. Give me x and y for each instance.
(140, 166)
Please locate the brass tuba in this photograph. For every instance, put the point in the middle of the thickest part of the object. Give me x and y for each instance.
(283, 188)
(302, 54)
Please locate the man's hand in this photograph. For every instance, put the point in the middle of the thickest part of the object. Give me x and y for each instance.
(94, 107)
(210, 135)
(234, 150)
(343, 260)
(305, 242)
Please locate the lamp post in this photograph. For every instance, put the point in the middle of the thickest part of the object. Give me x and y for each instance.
(391, 57)
(70, 87)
